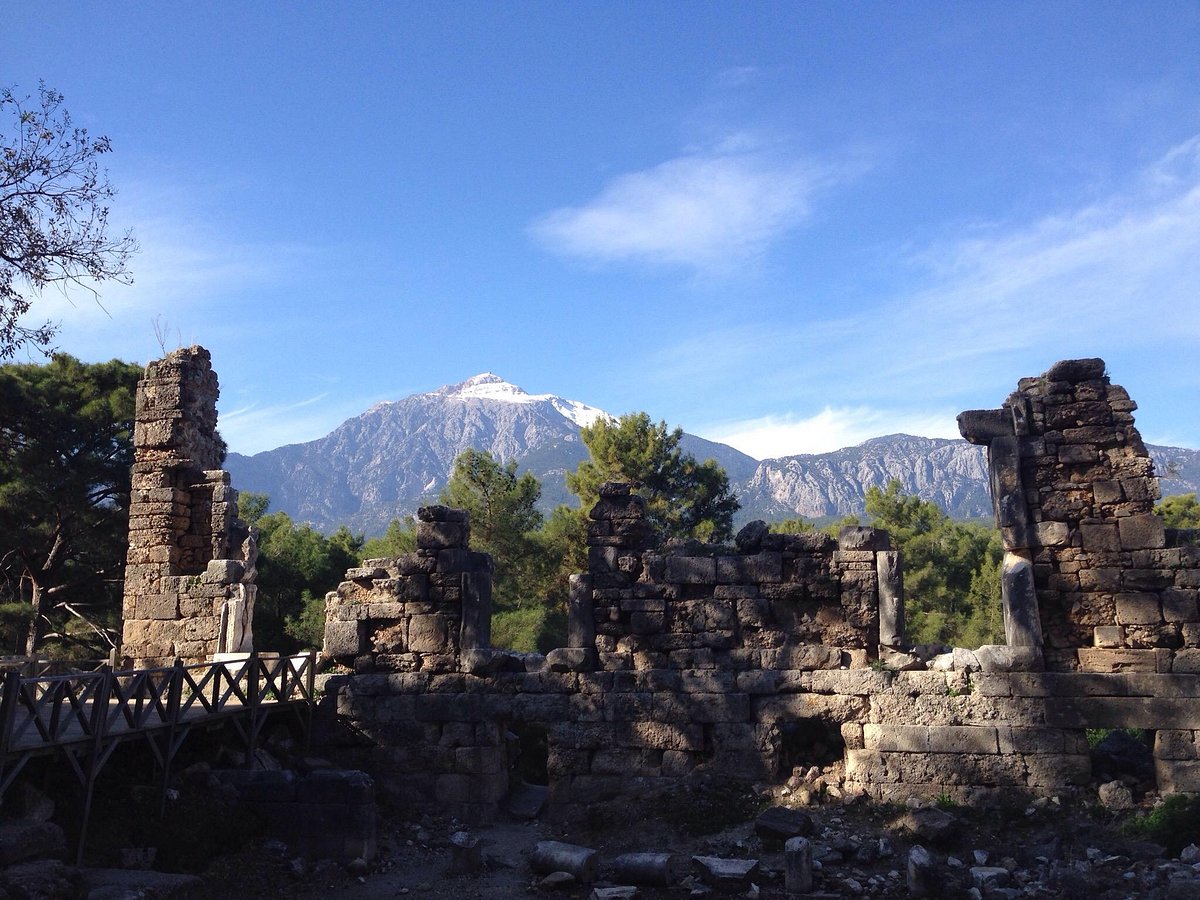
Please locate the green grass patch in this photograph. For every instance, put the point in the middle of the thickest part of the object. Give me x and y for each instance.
(1174, 823)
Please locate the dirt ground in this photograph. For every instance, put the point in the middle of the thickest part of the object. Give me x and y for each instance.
(865, 848)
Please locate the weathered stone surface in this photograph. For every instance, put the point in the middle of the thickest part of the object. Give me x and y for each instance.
(725, 874)
(556, 856)
(652, 869)
(921, 873)
(797, 866)
(779, 823)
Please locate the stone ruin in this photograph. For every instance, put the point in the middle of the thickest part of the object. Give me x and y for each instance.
(787, 652)
(684, 659)
(1090, 573)
(189, 572)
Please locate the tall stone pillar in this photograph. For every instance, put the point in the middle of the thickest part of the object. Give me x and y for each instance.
(189, 592)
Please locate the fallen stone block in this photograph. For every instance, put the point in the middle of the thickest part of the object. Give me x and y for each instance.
(556, 856)
(615, 892)
(797, 866)
(922, 872)
(726, 874)
(643, 868)
(22, 839)
(466, 854)
(779, 823)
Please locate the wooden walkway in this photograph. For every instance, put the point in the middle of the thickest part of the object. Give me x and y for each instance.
(85, 716)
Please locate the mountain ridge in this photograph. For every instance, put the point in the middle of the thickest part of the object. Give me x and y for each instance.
(398, 454)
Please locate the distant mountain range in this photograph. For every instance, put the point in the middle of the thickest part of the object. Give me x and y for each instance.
(397, 455)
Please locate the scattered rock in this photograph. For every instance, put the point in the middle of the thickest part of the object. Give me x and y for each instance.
(777, 824)
(558, 881)
(616, 892)
(643, 868)
(934, 826)
(1115, 795)
(726, 874)
(922, 872)
(555, 856)
(22, 839)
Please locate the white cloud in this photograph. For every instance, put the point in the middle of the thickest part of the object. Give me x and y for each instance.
(704, 211)
(184, 270)
(249, 429)
(1117, 278)
(832, 428)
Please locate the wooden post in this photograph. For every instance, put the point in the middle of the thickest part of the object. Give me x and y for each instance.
(252, 697)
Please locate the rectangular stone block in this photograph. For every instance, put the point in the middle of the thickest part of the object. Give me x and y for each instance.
(1175, 744)
(1053, 771)
(896, 738)
(1020, 739)
(344, 638)
(442, 535)
(752, 569)
(962, 739)
(1142, 532)
(1138, 608)
(690, 570)
(1095, 659)
(1100, 536)
(1179, 605)
(1177, 775)
(1122, 712)
(158, 606)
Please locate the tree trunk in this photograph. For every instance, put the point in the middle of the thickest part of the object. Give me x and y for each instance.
(41, 595)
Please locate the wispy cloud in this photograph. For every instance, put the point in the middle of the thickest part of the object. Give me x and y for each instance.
(254, 427)
(830, 429)
(1117, 277)
(184, 270)
(711, 211)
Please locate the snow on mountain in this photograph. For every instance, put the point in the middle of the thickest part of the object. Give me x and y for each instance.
(487, 386)
(398, 455)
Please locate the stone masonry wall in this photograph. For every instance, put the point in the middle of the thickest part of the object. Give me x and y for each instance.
(1074, 490)
(190, 563)
(687, 660)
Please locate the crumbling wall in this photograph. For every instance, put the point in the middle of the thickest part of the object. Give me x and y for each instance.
(773, 593)
(1089, 567)
(686, 659)
(189, 572)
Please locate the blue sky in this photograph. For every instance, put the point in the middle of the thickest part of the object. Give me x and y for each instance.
(787, 226)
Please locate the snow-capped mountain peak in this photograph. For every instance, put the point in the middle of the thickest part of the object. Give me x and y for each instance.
(489, 386)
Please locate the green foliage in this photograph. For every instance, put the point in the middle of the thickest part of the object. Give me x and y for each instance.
(951, 569)
(1174, 823)
(1179, 511)
(252, 506)
(297, 566)
(400, 538)
(65, 455)
(53, 212)
(684, 497)
(503, 511)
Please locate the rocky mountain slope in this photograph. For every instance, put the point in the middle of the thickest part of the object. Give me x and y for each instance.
(395, 456)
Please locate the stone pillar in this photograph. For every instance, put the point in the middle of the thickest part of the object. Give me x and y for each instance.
(188, 591)
(475, 631)
(889, 570)
(581, 618)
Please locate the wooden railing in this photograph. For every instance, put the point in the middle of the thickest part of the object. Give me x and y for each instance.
(59, 709)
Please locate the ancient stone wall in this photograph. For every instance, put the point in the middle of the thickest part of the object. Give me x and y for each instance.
(189, 573)
(787, 651)
(1089, 569)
